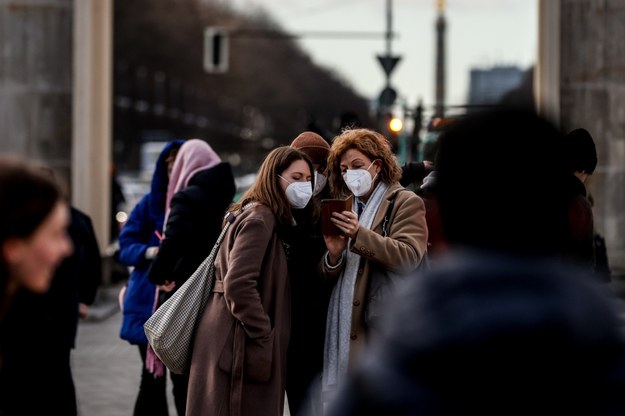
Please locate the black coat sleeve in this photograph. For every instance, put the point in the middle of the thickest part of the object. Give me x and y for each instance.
(88, 260)
(193, 225)
(413, 172)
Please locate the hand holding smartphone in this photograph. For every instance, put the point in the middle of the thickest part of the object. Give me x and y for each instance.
(328, 206)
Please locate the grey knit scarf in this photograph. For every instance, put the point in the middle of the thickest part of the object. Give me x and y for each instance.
(339, 320)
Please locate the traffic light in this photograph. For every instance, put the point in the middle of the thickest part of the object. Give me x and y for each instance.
(395, 125)
(215, 50)
(390, 126)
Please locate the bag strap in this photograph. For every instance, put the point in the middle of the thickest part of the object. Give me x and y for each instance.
(389, 210)
(230, 217)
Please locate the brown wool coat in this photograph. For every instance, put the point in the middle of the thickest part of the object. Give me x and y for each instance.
(404, 248)
(239, 355)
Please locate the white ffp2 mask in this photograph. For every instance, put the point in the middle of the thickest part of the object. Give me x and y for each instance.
(359, 180)
(298, 193)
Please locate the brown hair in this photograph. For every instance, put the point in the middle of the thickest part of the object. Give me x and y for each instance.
(266, 189)
(370, 143)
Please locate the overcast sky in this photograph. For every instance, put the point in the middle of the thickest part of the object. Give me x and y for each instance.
(480, 33)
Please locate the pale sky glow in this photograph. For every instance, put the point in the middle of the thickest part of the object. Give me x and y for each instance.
(480, 33)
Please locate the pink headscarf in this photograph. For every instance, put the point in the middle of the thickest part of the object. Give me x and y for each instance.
(194, 156)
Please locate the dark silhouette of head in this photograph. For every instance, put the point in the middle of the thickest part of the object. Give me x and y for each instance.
(498, 174)
(580, 151)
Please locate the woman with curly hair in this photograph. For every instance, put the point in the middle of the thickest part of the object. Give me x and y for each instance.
(385, 233)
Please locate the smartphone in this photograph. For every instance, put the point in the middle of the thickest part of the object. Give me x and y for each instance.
(328, 206)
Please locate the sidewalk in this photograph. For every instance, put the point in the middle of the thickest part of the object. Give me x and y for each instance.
(107, 369)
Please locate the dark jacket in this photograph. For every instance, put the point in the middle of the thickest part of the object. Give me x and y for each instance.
(194, 223)
(579, 247)
(413, 172)
(137, 235)
(310, 296)
(490, 335)
(428, 192)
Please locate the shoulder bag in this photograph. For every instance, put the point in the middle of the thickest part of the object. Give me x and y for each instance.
(171, 328)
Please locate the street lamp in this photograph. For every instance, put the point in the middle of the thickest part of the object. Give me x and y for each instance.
(395, 124)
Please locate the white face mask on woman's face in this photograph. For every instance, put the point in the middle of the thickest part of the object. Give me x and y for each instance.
(320, 182)
(359, 180)
(298, 193)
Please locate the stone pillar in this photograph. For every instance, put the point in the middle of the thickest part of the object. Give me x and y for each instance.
(582, 84)
(36, 81)
(547, 73)
(91, 138)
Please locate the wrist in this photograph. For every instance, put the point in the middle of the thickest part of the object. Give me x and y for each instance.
(332, 262)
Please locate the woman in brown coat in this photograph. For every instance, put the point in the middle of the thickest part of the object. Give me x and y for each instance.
(239, 355)
(385, 232)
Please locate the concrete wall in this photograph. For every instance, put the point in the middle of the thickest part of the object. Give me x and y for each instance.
(36, 80)
(581, 83)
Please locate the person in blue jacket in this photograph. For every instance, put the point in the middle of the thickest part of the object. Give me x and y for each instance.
(139, 240)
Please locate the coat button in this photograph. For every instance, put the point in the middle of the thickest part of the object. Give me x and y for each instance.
(356, 303)
(353, 337)
(360, 271)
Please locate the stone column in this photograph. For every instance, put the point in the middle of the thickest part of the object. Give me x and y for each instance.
(36, 81)
(547, 73)
(581, 83)
(91, 134)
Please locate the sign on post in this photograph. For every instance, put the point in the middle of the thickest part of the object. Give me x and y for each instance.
(215, 50)
(387, 97)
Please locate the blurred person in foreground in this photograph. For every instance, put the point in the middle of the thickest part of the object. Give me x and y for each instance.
(375, 241)
(138, 244)
(56, 314)
(502, 324)
(309, 298)
(34, 217)
(239, 358)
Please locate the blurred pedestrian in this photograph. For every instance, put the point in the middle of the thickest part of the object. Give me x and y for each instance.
(139, 243)
(413, 173)
(56, 313)
(309, 298)
(580, 158)
(34, 217)
(503, 325)
(200, 189)
(376, 240)
(240, 351)
(436, 240)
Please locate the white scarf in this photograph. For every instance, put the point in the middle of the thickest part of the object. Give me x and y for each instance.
(339, 320)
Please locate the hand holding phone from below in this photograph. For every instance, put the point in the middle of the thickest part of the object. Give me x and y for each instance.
(328, 206)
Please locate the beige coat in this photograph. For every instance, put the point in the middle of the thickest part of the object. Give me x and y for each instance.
(403, 249)
(239, 356)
